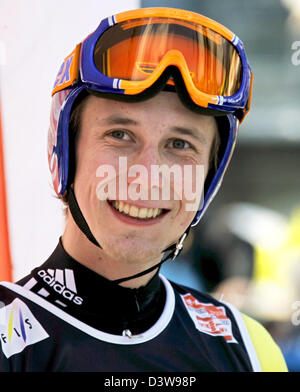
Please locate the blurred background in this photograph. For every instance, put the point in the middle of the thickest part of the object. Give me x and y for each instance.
(246, 250)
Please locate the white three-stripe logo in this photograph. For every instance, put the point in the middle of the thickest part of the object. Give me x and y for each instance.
(66, 279)
(61, 280)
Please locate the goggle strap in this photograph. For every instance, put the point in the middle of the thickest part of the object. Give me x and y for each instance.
(69, 71)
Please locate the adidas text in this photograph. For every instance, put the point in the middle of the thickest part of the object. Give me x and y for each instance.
(60, 288)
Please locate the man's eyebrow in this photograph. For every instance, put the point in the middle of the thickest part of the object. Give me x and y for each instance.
(117, 119)
(191, 131)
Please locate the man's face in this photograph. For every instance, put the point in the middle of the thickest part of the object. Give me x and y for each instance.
(158, 131)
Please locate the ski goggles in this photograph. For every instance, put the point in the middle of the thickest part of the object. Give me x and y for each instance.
(130, 51)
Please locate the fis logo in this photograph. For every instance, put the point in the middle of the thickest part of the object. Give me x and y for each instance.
(19, 328)
(62, 282)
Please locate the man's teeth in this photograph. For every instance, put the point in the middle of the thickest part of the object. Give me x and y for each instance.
(136, 212)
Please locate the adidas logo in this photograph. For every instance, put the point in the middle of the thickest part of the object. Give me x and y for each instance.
(63, 282)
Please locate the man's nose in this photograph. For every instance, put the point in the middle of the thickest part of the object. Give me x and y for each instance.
(142, 165)
(148, 157)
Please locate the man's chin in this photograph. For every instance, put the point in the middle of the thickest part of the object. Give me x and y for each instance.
(132, 253)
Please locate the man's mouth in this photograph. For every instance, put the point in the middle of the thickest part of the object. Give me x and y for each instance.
(133, 211)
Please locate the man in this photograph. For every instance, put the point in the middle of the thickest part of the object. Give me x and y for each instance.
(149, 90)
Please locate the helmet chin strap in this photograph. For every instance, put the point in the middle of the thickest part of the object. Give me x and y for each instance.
(79, 218)
(173, 250)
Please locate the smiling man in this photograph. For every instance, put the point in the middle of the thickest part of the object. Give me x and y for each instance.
(150, 91)
(135, 232)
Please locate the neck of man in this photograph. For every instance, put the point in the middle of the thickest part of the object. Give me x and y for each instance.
(80, 248)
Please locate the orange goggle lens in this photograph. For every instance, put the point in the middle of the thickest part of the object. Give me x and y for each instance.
(133, 50)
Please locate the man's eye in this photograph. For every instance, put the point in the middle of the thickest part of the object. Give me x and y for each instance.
(180, 144)
(122, 135)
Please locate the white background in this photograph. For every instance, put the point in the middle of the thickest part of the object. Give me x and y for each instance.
(35, 37)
